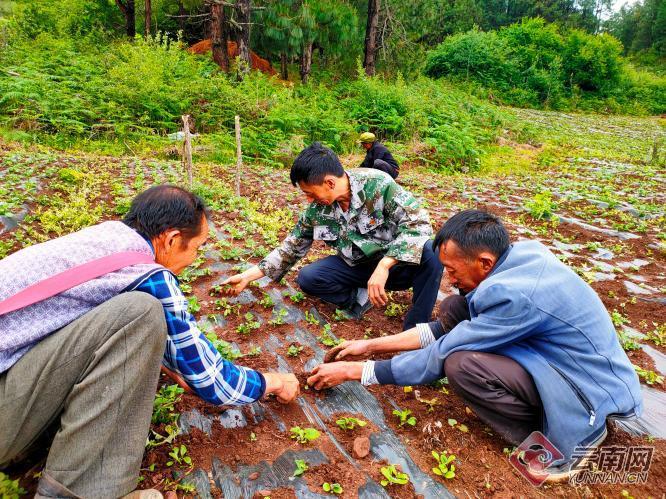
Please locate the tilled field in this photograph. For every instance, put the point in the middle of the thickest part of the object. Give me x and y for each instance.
(597, 205)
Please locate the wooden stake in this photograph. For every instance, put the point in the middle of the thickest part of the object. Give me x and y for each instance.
(187, 148)
(239, 156)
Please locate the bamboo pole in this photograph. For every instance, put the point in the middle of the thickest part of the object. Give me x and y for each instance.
(239, 156)
(187, 148)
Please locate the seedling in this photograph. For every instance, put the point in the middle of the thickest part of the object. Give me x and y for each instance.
(280, 316)
(253, 437)
(336, 488)
(405, 417)
(10, 488)
(297, 297)
(340, 315)
(311, 319)
(226, 307)
(179, 455)
(164, 404)
(294, 350)
(254, 352)
(301, 467)
(430, 404)
(249, 325)
(650, 377)
(304, 435)
(267, 301)
(394, 309)
(392, 476)
(193, 304)
(224, 349)
(350, 423)
(326, 338)
(445, 466)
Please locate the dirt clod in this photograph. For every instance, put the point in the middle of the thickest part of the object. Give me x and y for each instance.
(361, 447)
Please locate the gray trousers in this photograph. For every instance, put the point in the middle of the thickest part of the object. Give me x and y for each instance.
(499, 390)
(95, 379)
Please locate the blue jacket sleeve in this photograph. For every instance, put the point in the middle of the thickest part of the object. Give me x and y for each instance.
(501, 317)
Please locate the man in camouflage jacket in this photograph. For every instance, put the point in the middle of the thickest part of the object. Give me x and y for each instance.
(380, 231)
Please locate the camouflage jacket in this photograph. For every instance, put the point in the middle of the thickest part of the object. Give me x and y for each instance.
(383, 219)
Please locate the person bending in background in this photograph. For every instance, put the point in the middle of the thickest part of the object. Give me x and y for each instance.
(378, 156)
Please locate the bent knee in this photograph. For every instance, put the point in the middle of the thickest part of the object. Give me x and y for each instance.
(460, 365)
(309, 279)
(145, 308)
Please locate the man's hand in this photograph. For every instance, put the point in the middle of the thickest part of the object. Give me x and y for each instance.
(352, 348)
(330, 375)
(377, 282)
(240, 281)
(283, 385)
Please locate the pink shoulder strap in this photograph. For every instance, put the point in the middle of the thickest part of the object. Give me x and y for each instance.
(72, 277)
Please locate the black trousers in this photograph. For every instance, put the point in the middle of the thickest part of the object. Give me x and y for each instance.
(495, 387)
(332, 280)
(382, 165)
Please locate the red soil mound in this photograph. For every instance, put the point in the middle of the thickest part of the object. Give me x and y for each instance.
(205, 46)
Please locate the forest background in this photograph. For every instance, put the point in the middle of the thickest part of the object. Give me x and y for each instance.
(432, 77)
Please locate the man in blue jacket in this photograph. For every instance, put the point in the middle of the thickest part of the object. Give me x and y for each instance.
(529, 346)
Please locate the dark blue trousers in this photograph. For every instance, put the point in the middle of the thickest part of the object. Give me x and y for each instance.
(332, 280)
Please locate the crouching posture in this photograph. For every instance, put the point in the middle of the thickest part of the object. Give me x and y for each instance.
(529, 347)
(86, 320)
(380, 232)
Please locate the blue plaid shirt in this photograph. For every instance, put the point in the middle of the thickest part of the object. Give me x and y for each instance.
(190, 354)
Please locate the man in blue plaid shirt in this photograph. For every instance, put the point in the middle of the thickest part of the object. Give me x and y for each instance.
(89, 357)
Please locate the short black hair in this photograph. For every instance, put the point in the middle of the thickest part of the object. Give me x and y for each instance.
(474, 231)
(166, 207)
(314, 163)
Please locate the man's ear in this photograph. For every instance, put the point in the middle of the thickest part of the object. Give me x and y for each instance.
(330, 182)
(171, 239)
(487, 261)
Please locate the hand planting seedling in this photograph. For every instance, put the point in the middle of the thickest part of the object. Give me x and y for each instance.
(301, 467)
(405, 417)
(392, 476)
(445, 466)
(294, 350)
(336, 488)
(350, 423)
(304, 435)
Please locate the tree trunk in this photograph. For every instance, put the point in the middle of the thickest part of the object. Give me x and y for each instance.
(129, 12)
(306, 62)
(181, 16)
(284, 70)
(371, 37)
(218, 35)
(148, 18)
(243, 9)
